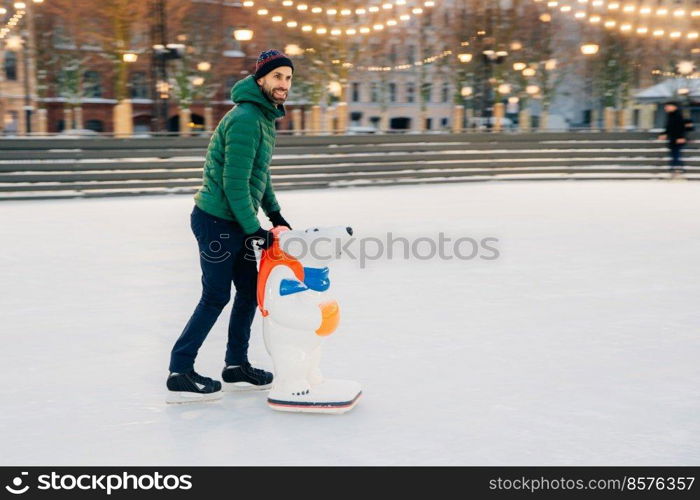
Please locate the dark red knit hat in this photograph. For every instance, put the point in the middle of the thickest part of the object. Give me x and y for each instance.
(269, 60)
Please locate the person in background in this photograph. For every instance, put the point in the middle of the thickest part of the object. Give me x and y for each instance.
(675, 134)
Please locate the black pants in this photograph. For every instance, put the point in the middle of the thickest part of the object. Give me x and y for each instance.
(675, 155)
(224, 258)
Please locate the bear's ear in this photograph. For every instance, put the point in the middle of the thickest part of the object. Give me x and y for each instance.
(288, 287)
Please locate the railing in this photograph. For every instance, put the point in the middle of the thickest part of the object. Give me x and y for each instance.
(86, 167)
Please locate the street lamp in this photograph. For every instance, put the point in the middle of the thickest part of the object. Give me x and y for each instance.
(685, 67)
(204, 66)
(243, 35)
(464, 58)
(13, 43)
(489, 57)
(589, 49)
(292, 49)
(335, 88)
(130, 57)
(163, 89)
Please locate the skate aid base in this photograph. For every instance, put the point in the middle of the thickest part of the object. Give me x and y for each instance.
(330, 396)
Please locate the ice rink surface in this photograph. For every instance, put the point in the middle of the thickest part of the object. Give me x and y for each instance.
(579, 345)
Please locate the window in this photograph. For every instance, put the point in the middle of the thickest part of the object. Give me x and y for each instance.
(400, 123)
(68, 83)
(92, 85)
(410, 92)
(355, 92)
(139, 85)
(445, 92)
(10, 66)
(427, 92)
(96, 125)
(393, 56)
(411, 54)
(374, 92)
(392, 92)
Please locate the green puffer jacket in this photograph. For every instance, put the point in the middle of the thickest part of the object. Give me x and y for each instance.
(236, 180)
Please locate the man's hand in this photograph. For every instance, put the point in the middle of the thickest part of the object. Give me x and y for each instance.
(261, 234)
(277, 220)
(680, 140)
(662, 137)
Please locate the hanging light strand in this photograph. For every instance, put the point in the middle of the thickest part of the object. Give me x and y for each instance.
(403, 67)
(388, 5)
(307, 27)
(397, 67)
(14, 20)
(609, 15)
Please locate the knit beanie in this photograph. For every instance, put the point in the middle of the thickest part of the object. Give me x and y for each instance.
(269, 60)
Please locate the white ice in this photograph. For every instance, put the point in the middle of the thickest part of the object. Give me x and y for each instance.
(578, 345)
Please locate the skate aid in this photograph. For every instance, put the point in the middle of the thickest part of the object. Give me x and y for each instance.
(298, 314)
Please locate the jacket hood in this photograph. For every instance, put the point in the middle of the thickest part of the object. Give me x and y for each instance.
(247, 90)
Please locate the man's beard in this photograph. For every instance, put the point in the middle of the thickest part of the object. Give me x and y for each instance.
(270, 94)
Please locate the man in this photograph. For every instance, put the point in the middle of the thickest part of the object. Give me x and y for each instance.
(675, 134)
(236, 182)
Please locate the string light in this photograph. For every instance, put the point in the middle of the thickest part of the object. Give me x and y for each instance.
(402, 67)
(399, 67)
(322, 30)
(14, 20)
(334, 11)
(617, 8)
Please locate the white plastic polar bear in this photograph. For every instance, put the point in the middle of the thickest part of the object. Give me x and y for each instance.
(297, 315)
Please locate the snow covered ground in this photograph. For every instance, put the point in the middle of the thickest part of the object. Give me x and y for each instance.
(578, 345)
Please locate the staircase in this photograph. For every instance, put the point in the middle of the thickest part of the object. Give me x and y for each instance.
(40, 168)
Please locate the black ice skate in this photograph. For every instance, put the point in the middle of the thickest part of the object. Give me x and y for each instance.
(192, 388)
(245, 378)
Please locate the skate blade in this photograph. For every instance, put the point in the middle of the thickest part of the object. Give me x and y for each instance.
(178, 397)
(243, 387)
(314, 407)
